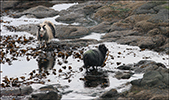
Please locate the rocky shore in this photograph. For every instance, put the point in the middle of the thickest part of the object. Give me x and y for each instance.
(139, 23)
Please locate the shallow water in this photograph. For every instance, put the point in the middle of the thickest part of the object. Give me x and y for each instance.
(70, 73)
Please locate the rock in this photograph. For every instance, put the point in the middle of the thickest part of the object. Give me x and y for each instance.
(119, 34)
(126, 67)
(30, 28)
(48, 92)
(123, 75)
(51, 95)
(148, 65)
(144, 26)
(154, 31)
(79, 13)
(17, 91)
(8, 4)
(159, 7)
(153, 79)
(130, 40)
(137, 18)
(73, 43)
(146, 8)
(164, 30)
(119, 26)
(38, 12)
(70, 18)
(109, 94)
(70, 32)
(111, 12)
(101, 28)
(160, 17)
(151, 42)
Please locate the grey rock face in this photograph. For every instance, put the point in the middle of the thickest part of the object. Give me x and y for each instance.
(38, 12)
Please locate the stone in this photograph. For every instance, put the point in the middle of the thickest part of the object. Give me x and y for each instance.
(119, 34)
(147, 8)
(156, 79)
(164, 30)
(109, 94)
(38, 12)
(71, 32)
(151, 42)
(17, 91)
(123, 75)
(126, 67)
(154, 31)
(148, 65)
(101, 28)
(144, 26)
(51, 95)
(160, 17)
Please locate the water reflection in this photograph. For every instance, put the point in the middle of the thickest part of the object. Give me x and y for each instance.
(94, 78)
(46, 61)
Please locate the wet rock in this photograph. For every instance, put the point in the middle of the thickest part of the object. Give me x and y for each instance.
(137, 18)
(110, 12)
(147, 93)
(164, 30)
(111, 94)
(120, 26)
(148, 65)
(48, 92)
(144, 26)
(148, 42)
(8, 4)
(79, 13)
(119, 34)
(30, 28)
(154, 31)
(70, 32)
(130, 40)
(159, 7)
(101, 28)
(153, 79)
(147, 8)
(151, 42)
(73, 43)
(126, 67)
(161, 16)
(16, 91)
(51, 95)
(123, 75)
(38, 12)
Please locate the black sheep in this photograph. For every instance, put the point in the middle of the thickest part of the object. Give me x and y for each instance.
(95, 57)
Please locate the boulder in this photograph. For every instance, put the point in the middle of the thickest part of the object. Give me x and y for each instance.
(153, 79)
(164, 30)
(109, 94)
(119, 26)
(160, 17)
(8, 4)
(79, 13)
(51, 95)
(151, 42)
(123, 75)
(101, 28)
(144, 26)
(119, 34)
(38, 12)
(17, 91)
(148, 65)
(71, 32)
